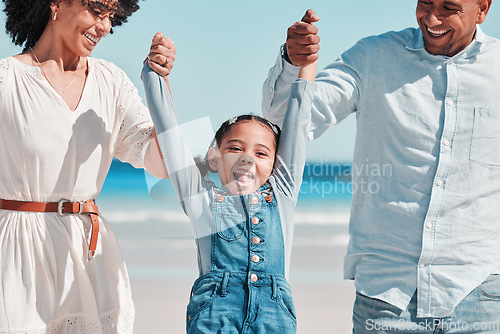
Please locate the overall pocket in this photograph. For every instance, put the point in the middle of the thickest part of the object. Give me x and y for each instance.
(485, 143)
(202, 297)
(491, 287)
(230, 227)
(286, 302)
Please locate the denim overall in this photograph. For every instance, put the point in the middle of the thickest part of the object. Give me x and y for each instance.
(244, 242)
(245, 290)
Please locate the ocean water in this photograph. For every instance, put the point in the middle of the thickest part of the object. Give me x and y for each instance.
(324, 199)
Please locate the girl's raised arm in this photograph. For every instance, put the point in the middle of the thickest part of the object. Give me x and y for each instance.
(291, 154)
(308, 72)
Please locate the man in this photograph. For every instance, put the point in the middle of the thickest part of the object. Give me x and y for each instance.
(425, 234)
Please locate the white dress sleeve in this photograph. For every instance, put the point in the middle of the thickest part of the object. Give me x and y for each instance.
(3, 75)
(136, 126)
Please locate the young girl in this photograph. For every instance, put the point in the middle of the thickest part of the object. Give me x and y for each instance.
(244, 228)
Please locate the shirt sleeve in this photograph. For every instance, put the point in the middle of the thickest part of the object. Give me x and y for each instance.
(291, 154)
(277, 88)
(135, 133)
(182, 170)
(336, 96)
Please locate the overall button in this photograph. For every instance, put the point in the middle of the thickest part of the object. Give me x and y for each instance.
(255, 200)
(268, 198)
(255, 258)
(254, 278)
(255, 220)
(256, 240)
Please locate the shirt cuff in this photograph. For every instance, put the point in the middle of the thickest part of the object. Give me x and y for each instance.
(289, 72)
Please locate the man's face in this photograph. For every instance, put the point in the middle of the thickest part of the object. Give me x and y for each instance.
(448, 26)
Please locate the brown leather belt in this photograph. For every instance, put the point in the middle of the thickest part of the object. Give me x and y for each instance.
(62, 207)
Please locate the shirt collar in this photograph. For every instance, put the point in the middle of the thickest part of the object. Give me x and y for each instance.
(416, 43)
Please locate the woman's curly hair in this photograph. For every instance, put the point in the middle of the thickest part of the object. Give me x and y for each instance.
(26, 20)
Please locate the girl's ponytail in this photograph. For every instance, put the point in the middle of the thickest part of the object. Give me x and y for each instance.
(203, 165)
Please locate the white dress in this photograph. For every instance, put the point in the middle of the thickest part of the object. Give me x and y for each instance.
(48, 152)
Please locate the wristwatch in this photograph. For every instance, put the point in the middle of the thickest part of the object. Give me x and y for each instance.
(284, 53)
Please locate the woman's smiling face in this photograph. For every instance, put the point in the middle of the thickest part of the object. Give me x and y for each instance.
(82, 24)
(245, 157)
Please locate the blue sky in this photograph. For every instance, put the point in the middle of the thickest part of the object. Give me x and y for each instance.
(225, 48)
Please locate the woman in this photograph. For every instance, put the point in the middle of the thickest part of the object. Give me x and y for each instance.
(63, 116)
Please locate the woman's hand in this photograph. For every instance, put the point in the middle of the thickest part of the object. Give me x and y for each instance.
(161, 55)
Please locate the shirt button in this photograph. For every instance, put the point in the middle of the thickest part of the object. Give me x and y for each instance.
(446, 142)
(421, 265)
(256, 240)
(439, 183)
(254, 278)
(255, 258)
(452, 61)
(255, 220)
(271, 90)
(429, 225)
(255, 200)
(449, 102)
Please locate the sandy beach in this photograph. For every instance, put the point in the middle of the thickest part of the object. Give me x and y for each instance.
(161, 260)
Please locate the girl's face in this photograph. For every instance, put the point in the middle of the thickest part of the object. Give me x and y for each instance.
(245, 158)
(80, 25)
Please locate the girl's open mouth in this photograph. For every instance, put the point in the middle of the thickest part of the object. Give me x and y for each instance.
(243, 177)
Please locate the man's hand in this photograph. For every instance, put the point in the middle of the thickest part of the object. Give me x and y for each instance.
(302, 41)
(161, 55)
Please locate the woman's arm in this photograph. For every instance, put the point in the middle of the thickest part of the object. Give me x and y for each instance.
(153, 160)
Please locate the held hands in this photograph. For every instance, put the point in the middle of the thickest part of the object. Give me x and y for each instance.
(161, 55)
(302, 41)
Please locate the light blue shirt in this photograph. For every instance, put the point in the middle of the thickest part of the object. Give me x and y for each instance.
(426, 166)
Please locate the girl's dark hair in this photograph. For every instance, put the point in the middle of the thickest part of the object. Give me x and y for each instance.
(203, 163)
(26, 20)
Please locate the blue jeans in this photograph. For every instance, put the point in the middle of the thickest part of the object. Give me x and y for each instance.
(479, 312)
(224, 303)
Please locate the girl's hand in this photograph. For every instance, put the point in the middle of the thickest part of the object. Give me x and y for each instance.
(308, 72)
(161, 55)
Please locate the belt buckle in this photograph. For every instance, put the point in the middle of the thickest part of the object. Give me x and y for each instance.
(61, 203)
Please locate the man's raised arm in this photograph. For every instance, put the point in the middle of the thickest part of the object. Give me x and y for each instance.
(301, 48)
